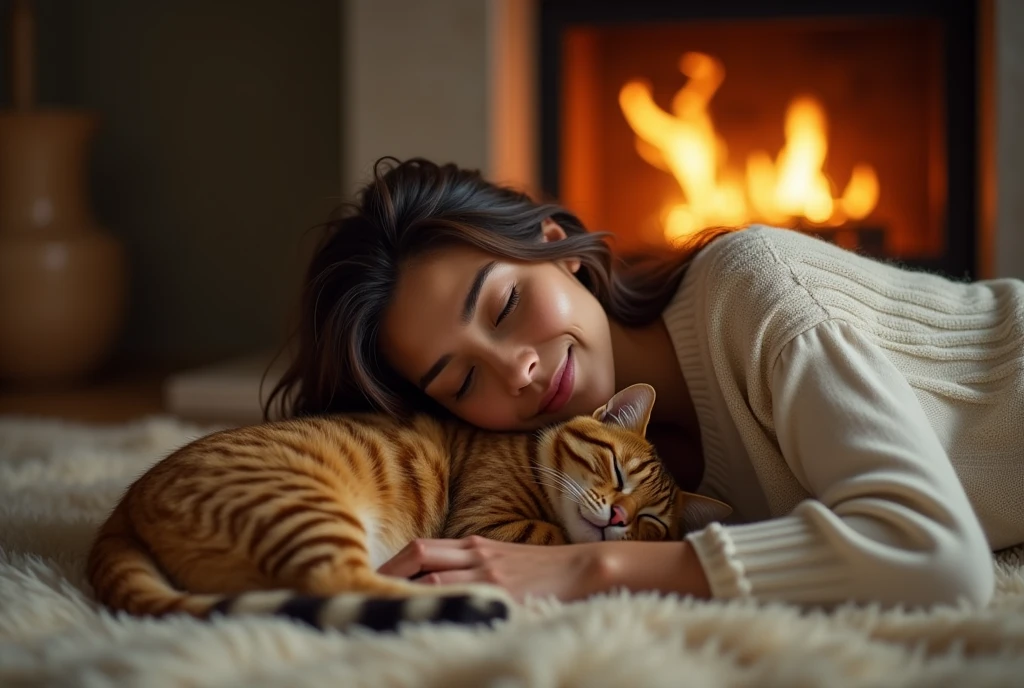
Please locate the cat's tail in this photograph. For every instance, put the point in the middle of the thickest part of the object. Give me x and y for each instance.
(126, 577)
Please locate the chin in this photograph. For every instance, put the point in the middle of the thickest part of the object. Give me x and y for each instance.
(576, 527)
(582, 531)
(615, 534)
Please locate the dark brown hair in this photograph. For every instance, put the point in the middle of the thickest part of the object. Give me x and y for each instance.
(417, 206)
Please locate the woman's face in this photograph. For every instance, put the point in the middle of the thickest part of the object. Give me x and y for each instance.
(504, 345)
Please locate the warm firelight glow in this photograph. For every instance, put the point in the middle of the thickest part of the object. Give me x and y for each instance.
(791, 187)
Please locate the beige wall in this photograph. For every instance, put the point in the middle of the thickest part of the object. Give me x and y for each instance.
(450, 80)
(415, 82)
(218, 148)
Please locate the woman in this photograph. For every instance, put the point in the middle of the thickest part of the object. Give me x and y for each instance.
(865, 422)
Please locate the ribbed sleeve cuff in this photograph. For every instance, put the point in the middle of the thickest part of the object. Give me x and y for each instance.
(782, 559)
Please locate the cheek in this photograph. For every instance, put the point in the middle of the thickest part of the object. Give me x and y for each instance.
(590, 482)
(567, 309)
(551, 314)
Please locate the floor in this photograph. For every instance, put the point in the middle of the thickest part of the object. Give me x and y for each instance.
(115, 398)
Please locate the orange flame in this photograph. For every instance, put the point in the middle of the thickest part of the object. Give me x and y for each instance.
(684, 143)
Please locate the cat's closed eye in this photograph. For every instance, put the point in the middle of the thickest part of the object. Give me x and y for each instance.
(651, 527)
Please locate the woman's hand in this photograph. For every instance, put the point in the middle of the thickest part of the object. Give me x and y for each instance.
(568, 572)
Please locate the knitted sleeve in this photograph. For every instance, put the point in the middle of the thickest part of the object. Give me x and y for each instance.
(889, 520)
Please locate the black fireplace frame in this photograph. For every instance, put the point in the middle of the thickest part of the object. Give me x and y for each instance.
(959, 20)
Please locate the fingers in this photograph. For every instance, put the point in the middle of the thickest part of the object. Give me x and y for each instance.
(478, 574)
(431, 555)
(456, 577)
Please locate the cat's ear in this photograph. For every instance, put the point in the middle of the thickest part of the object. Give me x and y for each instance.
(631, 408)
(697, 511)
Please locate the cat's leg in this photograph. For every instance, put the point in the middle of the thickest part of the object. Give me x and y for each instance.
(526, 531)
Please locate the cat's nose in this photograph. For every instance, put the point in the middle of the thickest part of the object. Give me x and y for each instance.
(619, 517)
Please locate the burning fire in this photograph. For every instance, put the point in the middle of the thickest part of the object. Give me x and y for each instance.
(684, 143)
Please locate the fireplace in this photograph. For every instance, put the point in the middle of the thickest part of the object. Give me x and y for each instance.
(854, 122)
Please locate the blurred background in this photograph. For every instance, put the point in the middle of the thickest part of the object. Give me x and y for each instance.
(163, 163)
(217, 145)
(216, 148)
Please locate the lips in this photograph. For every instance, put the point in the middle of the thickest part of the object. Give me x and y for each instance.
(560, 389)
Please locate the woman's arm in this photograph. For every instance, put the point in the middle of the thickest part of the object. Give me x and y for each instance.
(666, 567)
(568, 572)
(889, 522)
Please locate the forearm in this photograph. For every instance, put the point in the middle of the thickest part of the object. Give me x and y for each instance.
(666, 567)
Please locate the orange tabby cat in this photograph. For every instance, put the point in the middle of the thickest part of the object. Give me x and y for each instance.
(293, 518)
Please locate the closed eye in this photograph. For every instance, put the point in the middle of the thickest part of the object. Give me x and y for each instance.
(510, 305)
(656, 520)
(465, 385)
(620, 483)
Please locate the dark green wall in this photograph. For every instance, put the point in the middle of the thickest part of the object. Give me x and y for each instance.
(219, 147)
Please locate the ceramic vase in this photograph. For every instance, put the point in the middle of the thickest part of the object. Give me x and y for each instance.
(62, 276)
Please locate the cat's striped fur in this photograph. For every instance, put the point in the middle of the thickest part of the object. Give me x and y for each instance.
(293, 517)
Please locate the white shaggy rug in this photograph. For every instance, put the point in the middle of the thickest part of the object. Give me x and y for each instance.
(58, 481)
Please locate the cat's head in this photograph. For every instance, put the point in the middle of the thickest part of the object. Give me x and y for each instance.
(606, 482)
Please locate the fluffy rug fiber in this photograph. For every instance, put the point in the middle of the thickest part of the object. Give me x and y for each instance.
(58, 481)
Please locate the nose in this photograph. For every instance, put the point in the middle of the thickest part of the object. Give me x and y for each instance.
(619, 516)
(517, 368)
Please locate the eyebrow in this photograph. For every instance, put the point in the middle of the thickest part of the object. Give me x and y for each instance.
(468, 309)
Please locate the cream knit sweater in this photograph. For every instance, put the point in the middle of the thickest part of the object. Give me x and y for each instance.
(865, 422)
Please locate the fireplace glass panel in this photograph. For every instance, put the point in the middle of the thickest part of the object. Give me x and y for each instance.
(831, 126)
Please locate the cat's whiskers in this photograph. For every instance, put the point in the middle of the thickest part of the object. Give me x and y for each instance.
(561, 489)
(560, 484)
(564, 479)
(586, 499)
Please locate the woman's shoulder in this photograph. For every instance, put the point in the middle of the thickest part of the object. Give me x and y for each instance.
(770, 257)
(755, 257)
(745, 279)
(761, 244)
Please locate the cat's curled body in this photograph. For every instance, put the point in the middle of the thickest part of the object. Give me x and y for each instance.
(294, 517)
